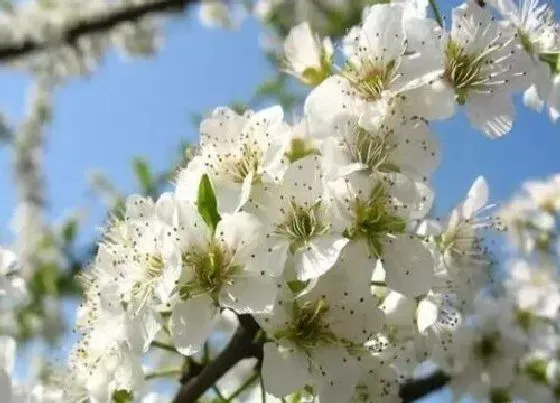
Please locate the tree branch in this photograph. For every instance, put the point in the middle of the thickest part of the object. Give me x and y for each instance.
(242, 345)
(418, 388)
(95, 24)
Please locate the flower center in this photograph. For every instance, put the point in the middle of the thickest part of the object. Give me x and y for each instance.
(370, 79)
(155, 266)
(309, 326)
(464, 71)
(238, 167)
(487, 347)
(373, 220)
(302, 224)
(370, 150)
(212, 269)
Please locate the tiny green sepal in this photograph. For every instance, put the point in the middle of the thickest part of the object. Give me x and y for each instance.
(207, 203)
(553, 61)
(122, 396)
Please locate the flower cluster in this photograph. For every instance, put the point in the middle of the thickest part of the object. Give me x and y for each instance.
(321, 230)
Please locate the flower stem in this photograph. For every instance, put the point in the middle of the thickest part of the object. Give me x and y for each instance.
(164, 346)
(437, 13)
(163, 373)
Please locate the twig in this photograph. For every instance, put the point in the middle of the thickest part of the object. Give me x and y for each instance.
(242, 345)
(91, 25)
(417, 388)
(437, 14)
(163, 373)
(163, 346)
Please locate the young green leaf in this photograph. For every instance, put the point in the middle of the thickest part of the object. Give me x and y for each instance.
(207, 203)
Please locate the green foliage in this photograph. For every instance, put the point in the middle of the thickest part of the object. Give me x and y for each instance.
(144, 176)
(536, 370)
(207, 203)
(553, 61)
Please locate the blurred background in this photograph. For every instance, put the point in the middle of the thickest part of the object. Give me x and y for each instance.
(124, 127)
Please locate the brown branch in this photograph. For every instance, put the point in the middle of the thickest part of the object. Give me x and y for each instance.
(415, 389)
(92, 25)
(243, 344)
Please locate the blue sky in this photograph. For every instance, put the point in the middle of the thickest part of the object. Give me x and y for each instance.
(143, 107)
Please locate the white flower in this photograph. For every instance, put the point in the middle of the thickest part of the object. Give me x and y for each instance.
(297, 218)
(539, 33)
(378, 210)
(393, 144)
(131, 258)
(534, 289)
(464, 262)
(315, 336)
(485, 353)
(107, 357)
(484, 64)
(381, 66)
(227, 268)
(236, 151)
(308, 59)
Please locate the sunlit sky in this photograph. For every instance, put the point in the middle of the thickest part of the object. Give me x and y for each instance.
(142, 107)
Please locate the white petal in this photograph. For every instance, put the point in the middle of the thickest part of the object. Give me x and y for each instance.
(409, 266)
(493, 115)
(476, 198)
(340, 377)
(283, 370)
(554, 99)
(139, 207)
(7, 353)
(327, 102)
(383, 32)
(432, 102)
(426, 315)
(191, 323)
(142, 329)
(240, 232)
(319, 256)
(251, 294)
(302, 48)
(532, 100)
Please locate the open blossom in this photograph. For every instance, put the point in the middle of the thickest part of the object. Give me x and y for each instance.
(236, 151)
(227, 268)
(535, 289)
(315, 339)
(131, 259)
(393, 144)
(307, 57)
(539, 33)
(381, 67)
(377, 209)
(484, 64)
(297, 218)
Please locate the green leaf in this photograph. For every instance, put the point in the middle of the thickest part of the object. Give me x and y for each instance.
(207, 203)
(69, 230)
(144, 175)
